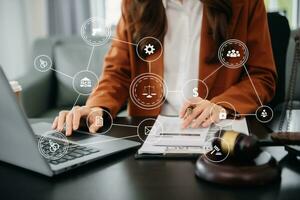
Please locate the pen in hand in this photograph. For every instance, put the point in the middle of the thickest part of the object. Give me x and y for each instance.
(187, 113)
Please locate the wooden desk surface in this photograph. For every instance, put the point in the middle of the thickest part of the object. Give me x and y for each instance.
(122, 177)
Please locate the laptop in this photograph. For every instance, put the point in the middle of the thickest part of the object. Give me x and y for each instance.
(20, 140)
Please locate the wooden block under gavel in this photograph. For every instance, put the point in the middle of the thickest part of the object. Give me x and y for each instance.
(243, 162)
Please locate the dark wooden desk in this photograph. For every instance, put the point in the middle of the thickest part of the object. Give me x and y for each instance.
(122, 177)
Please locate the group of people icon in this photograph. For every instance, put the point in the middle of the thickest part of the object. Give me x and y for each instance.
(233, 54)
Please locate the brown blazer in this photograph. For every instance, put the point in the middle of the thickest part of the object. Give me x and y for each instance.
(248, 24)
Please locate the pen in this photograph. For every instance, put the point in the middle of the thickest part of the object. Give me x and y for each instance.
(188, 112)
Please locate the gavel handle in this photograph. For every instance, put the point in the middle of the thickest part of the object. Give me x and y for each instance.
(286, 138)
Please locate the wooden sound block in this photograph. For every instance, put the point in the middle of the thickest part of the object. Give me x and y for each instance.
(259, 171)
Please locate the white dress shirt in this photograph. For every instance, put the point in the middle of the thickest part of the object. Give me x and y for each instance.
(181, 50)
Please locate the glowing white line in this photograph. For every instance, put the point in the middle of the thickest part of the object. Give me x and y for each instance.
(253, 85)
(124, 125)
(212, 73)
(149, 66)
(61, 73)
(245, 114)
(103, 141)
(123, 41)
(91, 55)
(88, 144)
(76, 100)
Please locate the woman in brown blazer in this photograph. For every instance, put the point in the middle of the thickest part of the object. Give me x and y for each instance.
(209, 22)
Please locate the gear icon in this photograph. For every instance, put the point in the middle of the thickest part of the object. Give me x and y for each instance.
(149, 49)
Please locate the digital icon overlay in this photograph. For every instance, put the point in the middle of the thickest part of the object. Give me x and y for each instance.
(53, 145)
(99, 121)
(95, 31)
(42, 63)
(213, 151)
(192, 88)
(84, 82)
(195, 92)
(264, 114)
(146, 128)
(151, 47)
(96, 118)
(148, 91)
(233, 53)
(223, 114)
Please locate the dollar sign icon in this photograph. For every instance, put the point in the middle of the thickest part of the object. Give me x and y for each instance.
(195, 92)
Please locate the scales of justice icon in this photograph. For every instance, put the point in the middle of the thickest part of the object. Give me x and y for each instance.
(149, 91)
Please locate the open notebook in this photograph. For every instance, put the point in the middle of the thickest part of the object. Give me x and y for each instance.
(167, 137)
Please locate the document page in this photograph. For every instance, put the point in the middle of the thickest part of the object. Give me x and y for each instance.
(173, 135)
(172, 125)
(167, 136)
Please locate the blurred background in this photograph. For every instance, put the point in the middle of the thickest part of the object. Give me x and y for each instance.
(52, 27)
(23, 21)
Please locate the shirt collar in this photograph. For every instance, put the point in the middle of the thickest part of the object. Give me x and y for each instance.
(164, 3)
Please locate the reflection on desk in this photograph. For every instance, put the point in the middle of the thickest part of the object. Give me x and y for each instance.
(123, 177)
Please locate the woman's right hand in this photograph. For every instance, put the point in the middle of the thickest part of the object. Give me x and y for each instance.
(71, 119)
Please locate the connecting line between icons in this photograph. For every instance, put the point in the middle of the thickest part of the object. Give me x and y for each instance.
(245, 114)
(212, 73)
(91, 143)
(62, 73)
(134, 126)
(110, 140)
(253, 85)
(219, 132)
(121, 138)
(90, 58)
(116, 39)
(125, 125)
(76, 100)
(149, 66)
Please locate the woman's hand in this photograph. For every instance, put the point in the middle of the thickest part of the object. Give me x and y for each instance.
(204, 113)
(71, 119)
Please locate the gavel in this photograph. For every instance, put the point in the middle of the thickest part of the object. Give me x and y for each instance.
(241, 146)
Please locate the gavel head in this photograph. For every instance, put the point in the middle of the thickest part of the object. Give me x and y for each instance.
(237, 145)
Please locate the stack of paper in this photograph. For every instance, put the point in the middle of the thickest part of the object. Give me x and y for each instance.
(167, 136)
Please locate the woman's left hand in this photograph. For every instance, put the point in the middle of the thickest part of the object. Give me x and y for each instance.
(204, 113)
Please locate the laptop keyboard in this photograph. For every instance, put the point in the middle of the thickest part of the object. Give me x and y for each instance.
(74, 151)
